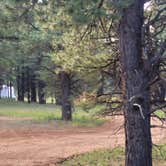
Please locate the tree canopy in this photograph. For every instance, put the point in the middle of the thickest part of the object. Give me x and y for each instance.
(61, 49)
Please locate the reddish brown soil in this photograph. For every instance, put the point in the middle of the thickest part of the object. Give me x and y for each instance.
(23, 143)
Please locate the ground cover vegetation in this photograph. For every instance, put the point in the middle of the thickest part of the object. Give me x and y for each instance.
(113, 157)
(89, 52)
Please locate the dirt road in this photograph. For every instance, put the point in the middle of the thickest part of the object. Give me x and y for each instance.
(23, 143)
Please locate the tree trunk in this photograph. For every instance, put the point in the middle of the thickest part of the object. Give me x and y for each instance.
(8, 90)
(33, 89)
(1, 86)
(41, 92)
(135, 88)
(20, 84)
(65, 93)
(10, 87)
(100, 90)
(28, 86)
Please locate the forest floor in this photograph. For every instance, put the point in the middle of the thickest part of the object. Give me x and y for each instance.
(27, 143)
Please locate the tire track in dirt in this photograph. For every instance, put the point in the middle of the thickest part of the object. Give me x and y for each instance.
(44, 146)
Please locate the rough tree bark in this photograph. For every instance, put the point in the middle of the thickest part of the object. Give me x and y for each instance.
(135, 88)
(65, 93)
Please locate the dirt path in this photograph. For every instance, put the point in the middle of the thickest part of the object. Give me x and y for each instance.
(25, 144)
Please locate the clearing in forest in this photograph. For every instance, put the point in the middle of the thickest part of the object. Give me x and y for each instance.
(25, 142)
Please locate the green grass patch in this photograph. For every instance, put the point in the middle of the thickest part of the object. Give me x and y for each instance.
(48, 112)
(81, 118)
(34, 111)
(160, 114)
(159, 152)
(113, 157)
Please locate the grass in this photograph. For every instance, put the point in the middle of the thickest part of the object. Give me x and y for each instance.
(160, 114)
(113, 157)
(97, 158)
(159, 152)
(48, 112)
